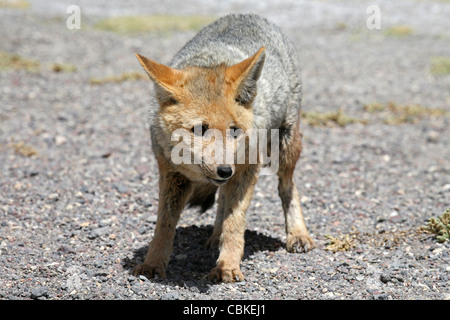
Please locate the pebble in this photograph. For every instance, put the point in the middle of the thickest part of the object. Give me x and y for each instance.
(97, 232)
(120, 188)
(170, 296)
(385, 278)
(39, 292)
(433, 136)
(359, 277)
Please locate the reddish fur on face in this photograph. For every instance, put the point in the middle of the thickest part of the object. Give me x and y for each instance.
(206, 94)
(208, 97)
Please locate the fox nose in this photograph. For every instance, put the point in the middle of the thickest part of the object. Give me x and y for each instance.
(224, 172)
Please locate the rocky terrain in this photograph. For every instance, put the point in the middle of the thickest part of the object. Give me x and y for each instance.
(79, 184)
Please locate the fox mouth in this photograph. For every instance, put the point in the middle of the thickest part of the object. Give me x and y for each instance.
(217, 182)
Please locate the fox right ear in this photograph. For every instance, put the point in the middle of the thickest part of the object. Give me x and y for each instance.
(164, 76)
(245, 75)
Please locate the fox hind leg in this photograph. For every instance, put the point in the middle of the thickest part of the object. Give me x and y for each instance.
(298, 238)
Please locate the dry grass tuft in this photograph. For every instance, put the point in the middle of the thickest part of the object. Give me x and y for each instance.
(393, 113)
(10, 61)
(440, 66)
(344, 243)
(125, 76)
(25, 150)
(329, 119)
(153, 23)
(398, 31)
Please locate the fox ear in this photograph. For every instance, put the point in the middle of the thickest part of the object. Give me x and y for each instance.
(164, 76)
(245, 75)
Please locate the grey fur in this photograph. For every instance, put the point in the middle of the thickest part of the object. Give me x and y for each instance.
(236, 37)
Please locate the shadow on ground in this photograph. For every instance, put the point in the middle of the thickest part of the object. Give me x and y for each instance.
(191, 261)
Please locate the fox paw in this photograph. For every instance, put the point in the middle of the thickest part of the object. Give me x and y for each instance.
(149, 271)
(226, 274)
(299, 243)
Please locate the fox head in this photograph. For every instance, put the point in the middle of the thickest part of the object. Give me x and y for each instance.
(211, 108)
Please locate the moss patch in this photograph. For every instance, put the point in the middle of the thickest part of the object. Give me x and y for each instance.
(15, 62)
(398, 31)
(439, 226)
(153, 23)
(125, 76)
(440, 65)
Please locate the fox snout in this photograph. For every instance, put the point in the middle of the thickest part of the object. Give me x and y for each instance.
(225, 172)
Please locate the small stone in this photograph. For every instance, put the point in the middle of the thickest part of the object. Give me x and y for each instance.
(433, 136)
(142, 230)
(66, 249)
(95, 233)
(85, 224)
(39, 292)
(143, 278)
(60, 140)
(171, 296)
(305, 199)
(53, 196)
(381, 296)
(120, 188)
(385, 278)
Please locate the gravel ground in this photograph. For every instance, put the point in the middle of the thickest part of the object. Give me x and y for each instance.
(77, 216)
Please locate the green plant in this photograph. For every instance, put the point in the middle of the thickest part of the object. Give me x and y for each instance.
(439, 226)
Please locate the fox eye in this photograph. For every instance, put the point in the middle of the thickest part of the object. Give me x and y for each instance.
(172, 100)
(235, 132)
(199, 129)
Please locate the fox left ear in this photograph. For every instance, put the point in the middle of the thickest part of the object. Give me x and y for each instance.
(165, 77)
(245, 75)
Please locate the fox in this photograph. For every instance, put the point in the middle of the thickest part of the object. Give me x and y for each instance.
(237, 74)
